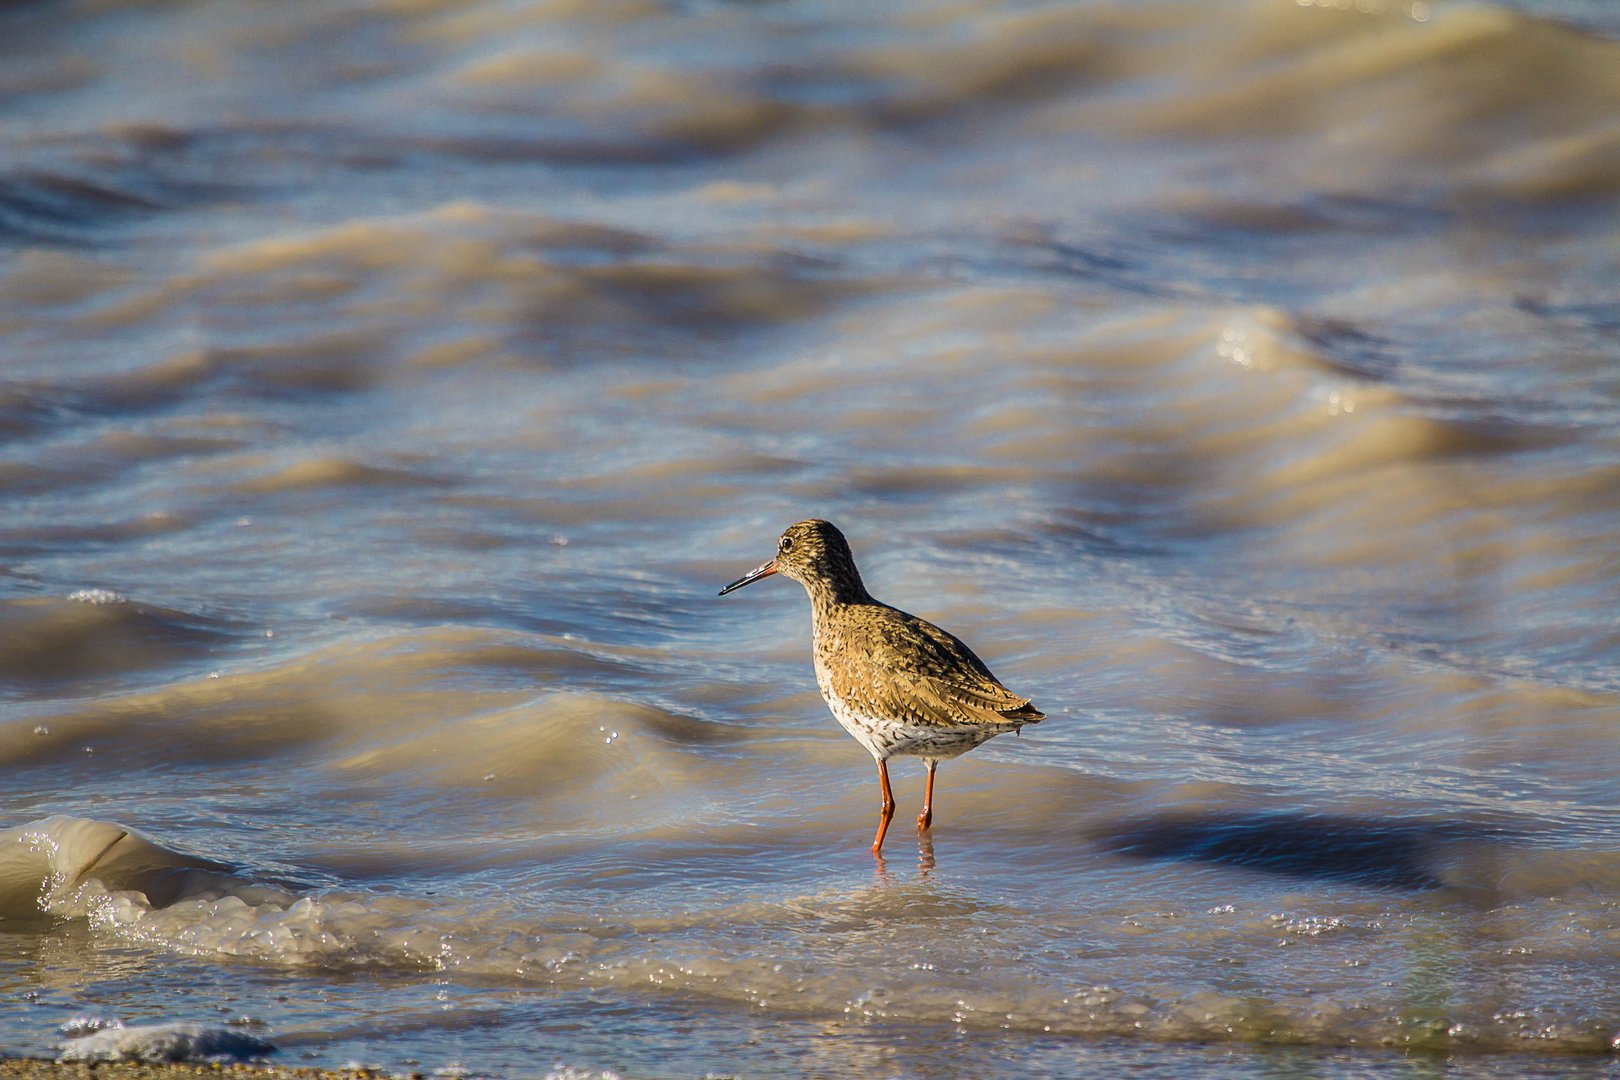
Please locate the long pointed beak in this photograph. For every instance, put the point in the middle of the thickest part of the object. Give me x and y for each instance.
(753, 575)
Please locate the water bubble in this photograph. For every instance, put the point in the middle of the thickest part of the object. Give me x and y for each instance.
(85, 1025)
(97, 597)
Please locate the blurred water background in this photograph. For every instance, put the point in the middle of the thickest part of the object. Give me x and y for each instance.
(389, 385)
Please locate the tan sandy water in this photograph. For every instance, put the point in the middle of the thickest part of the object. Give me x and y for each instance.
(387, 388)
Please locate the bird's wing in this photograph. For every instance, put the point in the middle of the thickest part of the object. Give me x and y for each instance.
(929, 674)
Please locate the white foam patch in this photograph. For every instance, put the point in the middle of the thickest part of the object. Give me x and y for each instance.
(47, 860)
(305, 931)
(138, 891)
(98, 597)
(172, 1042)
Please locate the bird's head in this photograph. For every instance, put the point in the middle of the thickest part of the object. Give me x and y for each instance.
(815, 554)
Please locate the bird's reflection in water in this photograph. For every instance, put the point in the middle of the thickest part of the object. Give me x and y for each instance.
(925, 855)
(925, 860)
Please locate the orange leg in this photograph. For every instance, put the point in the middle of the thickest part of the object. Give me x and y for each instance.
(887, 813)
(926, 818)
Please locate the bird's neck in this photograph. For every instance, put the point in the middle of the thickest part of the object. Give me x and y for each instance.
(837, 588)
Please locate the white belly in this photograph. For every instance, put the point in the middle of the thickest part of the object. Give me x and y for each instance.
(886, 737)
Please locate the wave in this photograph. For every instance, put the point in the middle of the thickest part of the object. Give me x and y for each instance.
(94, 636)
(791, 955)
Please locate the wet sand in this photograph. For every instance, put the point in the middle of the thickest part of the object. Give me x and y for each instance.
(44, 1069)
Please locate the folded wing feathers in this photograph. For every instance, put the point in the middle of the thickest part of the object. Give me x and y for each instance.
(959, 689)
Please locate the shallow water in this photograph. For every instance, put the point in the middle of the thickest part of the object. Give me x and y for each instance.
(389, 387)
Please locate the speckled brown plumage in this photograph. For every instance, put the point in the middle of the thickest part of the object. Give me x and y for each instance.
(899, 684)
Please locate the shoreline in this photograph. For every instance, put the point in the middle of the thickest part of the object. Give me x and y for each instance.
(27, 1068)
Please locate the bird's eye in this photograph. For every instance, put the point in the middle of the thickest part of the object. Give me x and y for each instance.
(787, 543)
